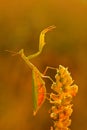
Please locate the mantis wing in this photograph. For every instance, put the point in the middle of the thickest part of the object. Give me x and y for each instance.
(39, 91)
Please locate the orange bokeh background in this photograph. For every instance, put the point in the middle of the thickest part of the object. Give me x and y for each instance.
(20, 25)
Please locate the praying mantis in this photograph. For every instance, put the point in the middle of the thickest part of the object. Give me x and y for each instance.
(39, 88)
(63, 88)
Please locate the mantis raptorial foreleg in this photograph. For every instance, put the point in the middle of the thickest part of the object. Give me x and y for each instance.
(42, 41)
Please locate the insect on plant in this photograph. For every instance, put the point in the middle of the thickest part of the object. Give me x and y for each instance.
(63, 88)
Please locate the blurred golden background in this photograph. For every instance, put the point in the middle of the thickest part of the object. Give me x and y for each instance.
(20, 25)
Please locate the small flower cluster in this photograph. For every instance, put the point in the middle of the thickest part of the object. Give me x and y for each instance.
(64, 91)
